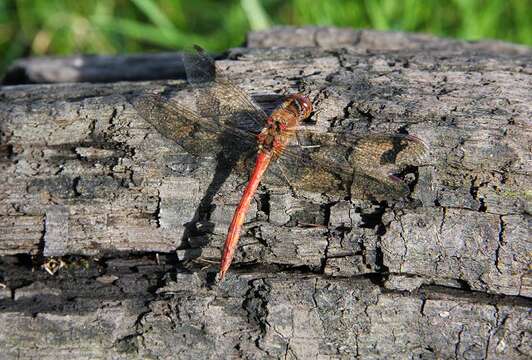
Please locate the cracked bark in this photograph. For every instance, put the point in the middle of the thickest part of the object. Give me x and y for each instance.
(83, 178)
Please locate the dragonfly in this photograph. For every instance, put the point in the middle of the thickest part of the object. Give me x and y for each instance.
(325, 162)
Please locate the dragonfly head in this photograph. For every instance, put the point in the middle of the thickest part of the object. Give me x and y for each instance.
(302, 104)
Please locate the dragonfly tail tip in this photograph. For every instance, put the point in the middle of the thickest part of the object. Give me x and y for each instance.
(221, 275)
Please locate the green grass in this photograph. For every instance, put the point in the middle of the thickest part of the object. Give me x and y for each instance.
(61, 27)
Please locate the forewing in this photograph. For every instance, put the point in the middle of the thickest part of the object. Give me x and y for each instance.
(199, 67)
(197, 134)
(218, 96)
(360, 166)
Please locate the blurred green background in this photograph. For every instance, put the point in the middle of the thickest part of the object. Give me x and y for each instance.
(61, 27)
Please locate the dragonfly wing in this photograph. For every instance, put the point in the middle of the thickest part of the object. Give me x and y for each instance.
(377, 187)
(362, 166)
(198, 135)
(386, 152)
(293, 171)
(217, 95)
(199, 67)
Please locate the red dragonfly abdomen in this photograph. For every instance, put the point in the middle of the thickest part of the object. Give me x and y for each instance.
(233, 234)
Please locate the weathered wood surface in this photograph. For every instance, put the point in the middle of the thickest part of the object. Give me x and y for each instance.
(121, 309)
(444, 273)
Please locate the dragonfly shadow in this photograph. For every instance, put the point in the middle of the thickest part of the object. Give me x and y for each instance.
(199, 229)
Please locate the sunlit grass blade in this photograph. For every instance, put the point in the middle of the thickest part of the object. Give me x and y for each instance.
(257, 17)
(377, 15)
(152, 12)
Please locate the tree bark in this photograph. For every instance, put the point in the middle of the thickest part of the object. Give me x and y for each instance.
(90, 187)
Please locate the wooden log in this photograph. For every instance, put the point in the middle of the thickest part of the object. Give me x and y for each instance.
(442, 273)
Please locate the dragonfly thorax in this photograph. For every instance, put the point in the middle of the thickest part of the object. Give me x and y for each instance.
(275, 135)
(283, 122)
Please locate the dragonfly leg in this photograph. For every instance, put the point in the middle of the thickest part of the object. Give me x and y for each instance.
(282, 169)
(285, 91)
(316, 113)
(299, 145)
(294, 128)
